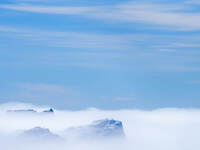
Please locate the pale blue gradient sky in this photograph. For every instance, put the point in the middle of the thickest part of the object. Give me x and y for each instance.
(104, 54)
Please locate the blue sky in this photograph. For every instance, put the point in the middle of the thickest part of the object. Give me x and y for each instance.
(105, 54)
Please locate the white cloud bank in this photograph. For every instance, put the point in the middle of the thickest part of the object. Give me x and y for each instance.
(174, 129)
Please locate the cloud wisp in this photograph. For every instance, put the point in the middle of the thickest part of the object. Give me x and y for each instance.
(49, 9)
(166, 15)
(45, 88)
(106, 51)
(175, 129)
(69, 39)
(125, 99)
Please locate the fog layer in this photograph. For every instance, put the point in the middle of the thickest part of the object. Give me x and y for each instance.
(161, 129)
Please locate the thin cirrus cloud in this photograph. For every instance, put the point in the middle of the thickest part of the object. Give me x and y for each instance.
(175, 17)
(65, 10)
(125, 99)
(167, 50)
(191, 45)
(7, 29)
(49, 88)
(197, 82)
(193, 2)
(104, 50)
(33, 91)
(69, 39)
(168, 15)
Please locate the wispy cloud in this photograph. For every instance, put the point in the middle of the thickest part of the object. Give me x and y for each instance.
(194, 82)
(193, 2)
(105, 51)
(191, 45)
(167, 50)
(125, 99)
(167, 15)
(65, 10)
(40, 93)
(11, 29)
(69, 39)
(49, 88)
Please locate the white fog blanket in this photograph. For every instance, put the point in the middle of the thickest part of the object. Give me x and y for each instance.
(43, 128)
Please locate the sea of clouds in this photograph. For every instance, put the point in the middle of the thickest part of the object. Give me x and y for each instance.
(161, 129)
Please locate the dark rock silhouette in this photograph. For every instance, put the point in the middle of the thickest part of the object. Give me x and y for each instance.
(49, 111)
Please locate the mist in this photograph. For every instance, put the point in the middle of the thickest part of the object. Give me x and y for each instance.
(170, 128)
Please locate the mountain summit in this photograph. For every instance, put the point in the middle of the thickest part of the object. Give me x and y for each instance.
(30, 111)
(39, 133)
(98, 129)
